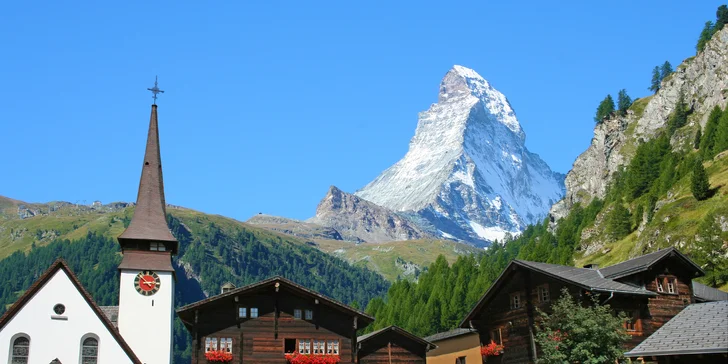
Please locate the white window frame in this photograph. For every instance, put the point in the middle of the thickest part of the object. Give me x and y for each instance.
(307, 346)
(244, 311)
(309, 314)
(98, 348)
(157, 247)
(330, 347)
(297, 313)
(12, 347)
(301, 346)
(210, 344)
(254, 312)
(336, 347)
(226, 344)
(659, 285)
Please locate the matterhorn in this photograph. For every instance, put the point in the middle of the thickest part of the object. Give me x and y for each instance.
(468, 174)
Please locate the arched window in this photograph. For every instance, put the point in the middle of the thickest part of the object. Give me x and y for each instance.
(89, 350)
(20, 350)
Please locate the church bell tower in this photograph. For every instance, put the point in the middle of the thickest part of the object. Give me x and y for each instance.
(146, 292)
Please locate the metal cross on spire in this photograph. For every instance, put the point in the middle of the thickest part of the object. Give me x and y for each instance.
(155, 90)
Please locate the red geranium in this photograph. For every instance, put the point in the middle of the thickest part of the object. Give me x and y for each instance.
(491, 349)
(296, 358)
(218, 356)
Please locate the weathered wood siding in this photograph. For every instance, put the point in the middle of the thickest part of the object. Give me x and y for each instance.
(391, 348)
(262, 339)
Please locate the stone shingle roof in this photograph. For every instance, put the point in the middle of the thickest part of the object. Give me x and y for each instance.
(707, 294)
(700, 328)
(642, 263)
(590, 279)
(450, 334)
(112, 313)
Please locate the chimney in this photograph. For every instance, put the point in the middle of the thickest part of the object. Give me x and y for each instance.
(592, 266)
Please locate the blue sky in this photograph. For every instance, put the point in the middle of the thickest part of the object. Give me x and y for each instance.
(268, 103)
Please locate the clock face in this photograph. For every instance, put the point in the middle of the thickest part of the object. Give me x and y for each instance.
(147, 283)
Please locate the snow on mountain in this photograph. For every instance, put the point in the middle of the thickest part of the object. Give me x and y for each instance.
(468, 172)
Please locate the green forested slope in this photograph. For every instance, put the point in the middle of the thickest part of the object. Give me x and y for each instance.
(213, 250)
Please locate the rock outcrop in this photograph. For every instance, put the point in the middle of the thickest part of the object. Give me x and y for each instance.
(360, 220)
(703, 81)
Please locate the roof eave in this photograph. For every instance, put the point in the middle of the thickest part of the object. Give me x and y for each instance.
(678, 352)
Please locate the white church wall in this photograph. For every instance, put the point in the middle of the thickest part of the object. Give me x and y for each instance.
(145, 322)
(58, 338)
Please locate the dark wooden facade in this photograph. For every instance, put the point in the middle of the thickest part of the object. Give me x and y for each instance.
(392, 345)
(330, 328)
(514, 327)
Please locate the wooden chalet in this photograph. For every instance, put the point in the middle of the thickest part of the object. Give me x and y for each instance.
(392, 345)
(698, 334)
(262, 322)
(651, 289)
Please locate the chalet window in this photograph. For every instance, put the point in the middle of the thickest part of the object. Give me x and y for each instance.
(330, 347)
(670, 287)
(304, 346)
(543, 293)
(318, 347)
(495, 335)
(631, 324)
(515, 300)
(210, 344)
(460, 360)
(335, 345)
(242, 312)
(157, 247)
(226, 344)
(309, 315)
(297, 313)
(659, 285)
(253, 312)
(20, 350)
(89, 351)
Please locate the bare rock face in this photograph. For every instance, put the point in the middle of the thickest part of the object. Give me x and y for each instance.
(358, 219)
(294, 227)
(703, 80)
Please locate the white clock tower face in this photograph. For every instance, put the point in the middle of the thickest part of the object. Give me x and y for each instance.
(146, 306)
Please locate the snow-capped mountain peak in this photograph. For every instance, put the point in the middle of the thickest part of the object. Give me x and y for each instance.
(467, 171)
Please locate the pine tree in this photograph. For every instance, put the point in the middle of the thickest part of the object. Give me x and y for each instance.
(705, 36)
(655, 84)
(679, 116)
(665, 70)
(710, 252)
(696, 142)
(606, 108)
(721, 16)
(619, 222)
(699, 184)
(707, 141)
(623, 101)
(721, 134)
(639, 214)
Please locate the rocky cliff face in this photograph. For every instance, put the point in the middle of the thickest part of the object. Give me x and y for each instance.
(294, 227)
(359, 220)
(704, 82)
(468, 174)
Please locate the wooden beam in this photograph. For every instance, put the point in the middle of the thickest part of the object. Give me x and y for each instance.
(389, 348)
(275, 317)
(529, 310)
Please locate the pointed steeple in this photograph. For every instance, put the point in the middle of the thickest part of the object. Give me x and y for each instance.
(149, 223)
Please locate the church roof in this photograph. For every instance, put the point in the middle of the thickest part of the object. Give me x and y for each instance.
(149, 222)
(60, 264)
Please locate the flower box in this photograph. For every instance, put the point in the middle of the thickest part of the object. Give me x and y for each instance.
(296, 358)
(218, 356)
(492, 349)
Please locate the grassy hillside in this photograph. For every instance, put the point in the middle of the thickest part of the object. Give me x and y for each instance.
(404, 259)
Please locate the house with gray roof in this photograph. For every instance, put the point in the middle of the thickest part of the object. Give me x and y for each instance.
(698, 334)
(651, 289)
